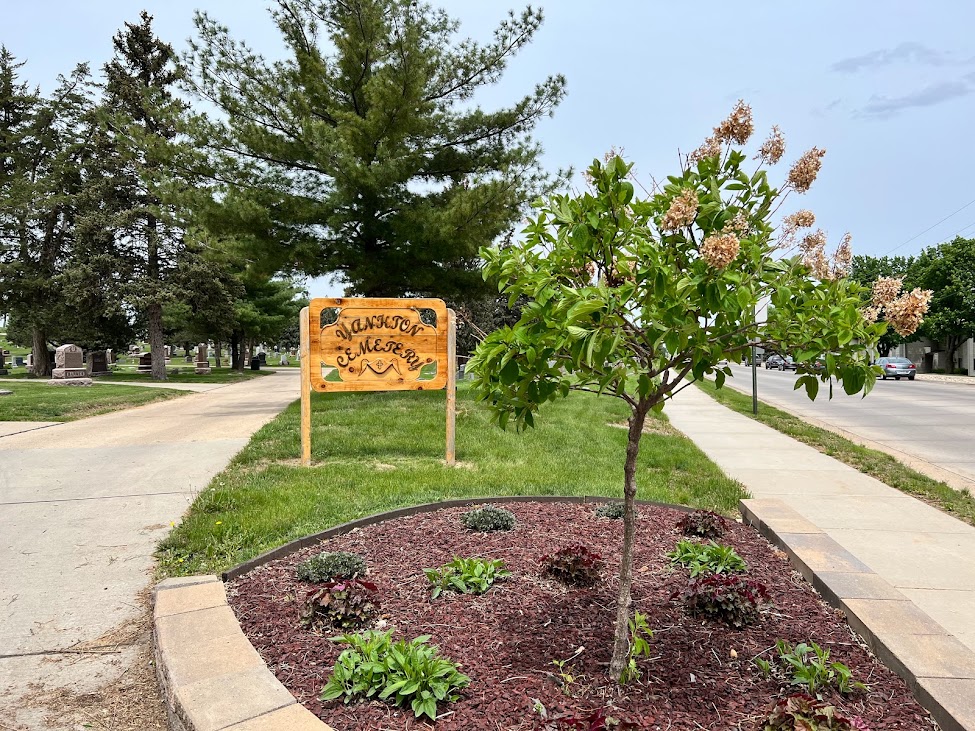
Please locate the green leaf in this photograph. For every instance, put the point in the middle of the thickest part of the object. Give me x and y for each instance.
(509, 374)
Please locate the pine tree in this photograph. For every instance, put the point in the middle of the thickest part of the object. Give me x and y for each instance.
(364, 152)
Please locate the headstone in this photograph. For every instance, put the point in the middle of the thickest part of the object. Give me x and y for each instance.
(5, 392)
(30, 360)
(19, 361)
(111, 356)
(99, 363)
(202, 364)
(145, 363)
(284, 359)
(263, 357)
(70, 367)
(3, 369)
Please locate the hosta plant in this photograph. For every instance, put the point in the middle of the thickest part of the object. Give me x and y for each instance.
(575, 565)
(331, 565)
(466, 575)
(732, 599)
(707, 558)
(801, 712)
(703, 523)
(488, 519)
(341, 604)
(408, 673)
(807, 664)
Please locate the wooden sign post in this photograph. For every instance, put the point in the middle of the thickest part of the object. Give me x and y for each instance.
(350, 344)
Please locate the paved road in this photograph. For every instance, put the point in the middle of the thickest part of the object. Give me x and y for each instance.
(82, 507)
(918, 420)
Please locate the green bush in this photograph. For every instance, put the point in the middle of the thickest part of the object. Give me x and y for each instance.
(702, 523)
(328, 566)
(341, 604)
(801, 712)
(406, 672)
(466, 575)
(613, 511)
(808, 665)
(707, 558)
(488, 519)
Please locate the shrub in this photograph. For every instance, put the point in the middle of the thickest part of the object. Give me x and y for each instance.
(801, 712)
(702, 523)
(341, 604)
(329, 566)
(808, 664)
(575, 565)
(406, 672)
(488, 519)
(466, 575)
(732, 599)
(613, 511)
(707, 558)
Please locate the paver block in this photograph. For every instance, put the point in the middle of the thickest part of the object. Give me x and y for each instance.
(180, 631)
(178, 582)
(773, 514)
(818, 552)
(928, 656)
(843, 585)
(292, 718)
(891, 617)
(950, 700)
(190, 598)
(217, 703)
(211, 659)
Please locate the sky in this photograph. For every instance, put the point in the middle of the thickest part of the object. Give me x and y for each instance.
(886, 88)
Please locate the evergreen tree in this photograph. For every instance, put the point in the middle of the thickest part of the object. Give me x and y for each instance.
(364, 152)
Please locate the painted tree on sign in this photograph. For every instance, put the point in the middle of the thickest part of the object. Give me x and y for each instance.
(632, 298)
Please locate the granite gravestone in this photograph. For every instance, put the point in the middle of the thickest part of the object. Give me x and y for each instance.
(99, 363)
(145, 363)
(202, 363)
(69, 368)
(3, 368)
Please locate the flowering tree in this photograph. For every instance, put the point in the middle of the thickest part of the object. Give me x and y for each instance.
(631, 298)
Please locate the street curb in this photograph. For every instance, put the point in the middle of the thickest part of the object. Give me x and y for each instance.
(938, 668)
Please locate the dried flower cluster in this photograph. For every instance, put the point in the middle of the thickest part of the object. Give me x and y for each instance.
(813, 248)
(904, 312)
(719, 250)
(682, 211)
(773, 148)
(738, 127)
(737, 225)
(806, 168)
(800, 219)
(711, 147)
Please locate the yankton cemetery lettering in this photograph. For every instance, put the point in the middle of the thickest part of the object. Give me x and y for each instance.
(377, 345)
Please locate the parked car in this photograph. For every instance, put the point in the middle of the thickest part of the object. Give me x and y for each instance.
(896, 368)
(786, 363)
(773, 361)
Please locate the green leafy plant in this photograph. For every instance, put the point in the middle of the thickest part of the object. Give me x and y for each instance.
(331, 565)
(566, 671)
(707, 558)
(801, 712)
(466, 575)
(640, 636)
(613, 511)
(703, 523)
(341, 604)
(575, 565)
(731, 599)
(488, 519)
(406, 672)
(807, 664)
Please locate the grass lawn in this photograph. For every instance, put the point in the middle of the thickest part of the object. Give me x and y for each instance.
(378, 451)
(41, 402)
(186, 375)
(872, 462)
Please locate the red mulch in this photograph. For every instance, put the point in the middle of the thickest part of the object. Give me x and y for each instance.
(506, 639)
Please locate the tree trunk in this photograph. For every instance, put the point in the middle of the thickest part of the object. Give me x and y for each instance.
(156, 345)
(883, 349)
(951, 347)
(42, 362)
(621, 638)
(216, 351)
(236, 357)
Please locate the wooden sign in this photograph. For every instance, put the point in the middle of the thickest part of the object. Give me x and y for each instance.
(350, 344)
(377, 345)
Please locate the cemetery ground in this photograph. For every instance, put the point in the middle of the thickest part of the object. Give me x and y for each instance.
(886, 468)
(185, 375)
(39, 402)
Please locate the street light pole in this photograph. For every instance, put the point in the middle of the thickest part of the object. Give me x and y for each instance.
(754, 380)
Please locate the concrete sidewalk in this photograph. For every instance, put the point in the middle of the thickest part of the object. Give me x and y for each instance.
(853, 526)
(82, 507)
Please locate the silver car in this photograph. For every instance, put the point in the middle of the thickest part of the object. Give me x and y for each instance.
(896, 368)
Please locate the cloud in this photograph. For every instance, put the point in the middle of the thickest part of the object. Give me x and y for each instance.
(885, 106)
(907, 52)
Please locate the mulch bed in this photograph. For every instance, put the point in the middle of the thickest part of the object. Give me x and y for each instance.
(701, 674)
